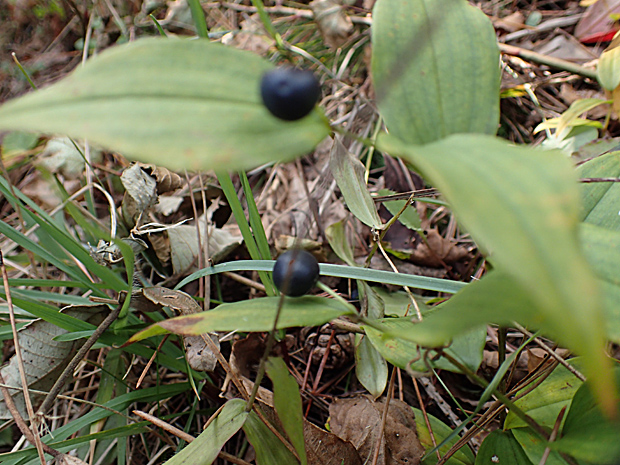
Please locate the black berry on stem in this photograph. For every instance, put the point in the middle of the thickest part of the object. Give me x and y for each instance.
(295, 272)
(290, 93)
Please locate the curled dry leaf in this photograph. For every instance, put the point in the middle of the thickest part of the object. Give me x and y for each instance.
(44, 358)
(358, 420)
(140, 194)
(199, 355)
(437, 250)
(334, 24)
(167, 181)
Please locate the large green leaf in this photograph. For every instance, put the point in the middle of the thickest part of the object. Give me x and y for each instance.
(522, 206)
(544, 403)
(601, 199)
(534, 447)
(466, 347)
(251, 315)
(173, 102)
(435, 67)
(204, 449)
(588, 434)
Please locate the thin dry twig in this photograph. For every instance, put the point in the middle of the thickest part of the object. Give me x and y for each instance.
(20, 363)
(388, 397)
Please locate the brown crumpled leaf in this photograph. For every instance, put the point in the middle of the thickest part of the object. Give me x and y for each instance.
(358, 420)
(437, 250)
(44, 358)
(511, 23)
(197, 352)
(140, 194)
(322, 447)
(167, 181)
(334, 24)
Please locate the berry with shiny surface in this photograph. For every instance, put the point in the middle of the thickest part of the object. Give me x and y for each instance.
(295, 272)
(289, 93)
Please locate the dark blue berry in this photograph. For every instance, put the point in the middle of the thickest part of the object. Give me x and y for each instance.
(295, 272)
(289, 93)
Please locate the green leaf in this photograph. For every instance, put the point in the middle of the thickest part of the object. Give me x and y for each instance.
(338, 241)
(402, 352)
(534, 447)
(522, 206)
(501, 447)
(204, 449)
(463, 456)
(409, 218)
(608, 69)
(349, 174)
(601, 199)
(545, 402)
(269, 449)
(588, 433)
(570, 117)
(370, 366)
(287, 402)
(183, 104)
(602, 249)
(251, 315)
(435, 69)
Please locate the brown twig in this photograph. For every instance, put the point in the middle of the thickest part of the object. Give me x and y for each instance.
(19, 421)
(552, 62)
(20, 363)
(390, 389)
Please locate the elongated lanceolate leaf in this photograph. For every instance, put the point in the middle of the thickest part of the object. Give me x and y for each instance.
(435, 67)
(251, 315)
(172, 102)
(287, 402)
(204, 449)
(349, 174)
(522, 206)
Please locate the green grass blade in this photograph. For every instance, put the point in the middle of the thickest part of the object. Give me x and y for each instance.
(340, 271)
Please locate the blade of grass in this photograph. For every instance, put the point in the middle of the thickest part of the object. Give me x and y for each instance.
(340, 271)
(231, 196)
(198, 15)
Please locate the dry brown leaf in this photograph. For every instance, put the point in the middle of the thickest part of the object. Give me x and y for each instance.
(197, 351)
(251, 37)
(334, 24)
(167, 181)
(511, 23)
(44, 357)
(437, 250)
(358, 420)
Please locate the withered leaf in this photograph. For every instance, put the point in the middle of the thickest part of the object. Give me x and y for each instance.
(44, 358)
(358, 420)
(197, 351)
